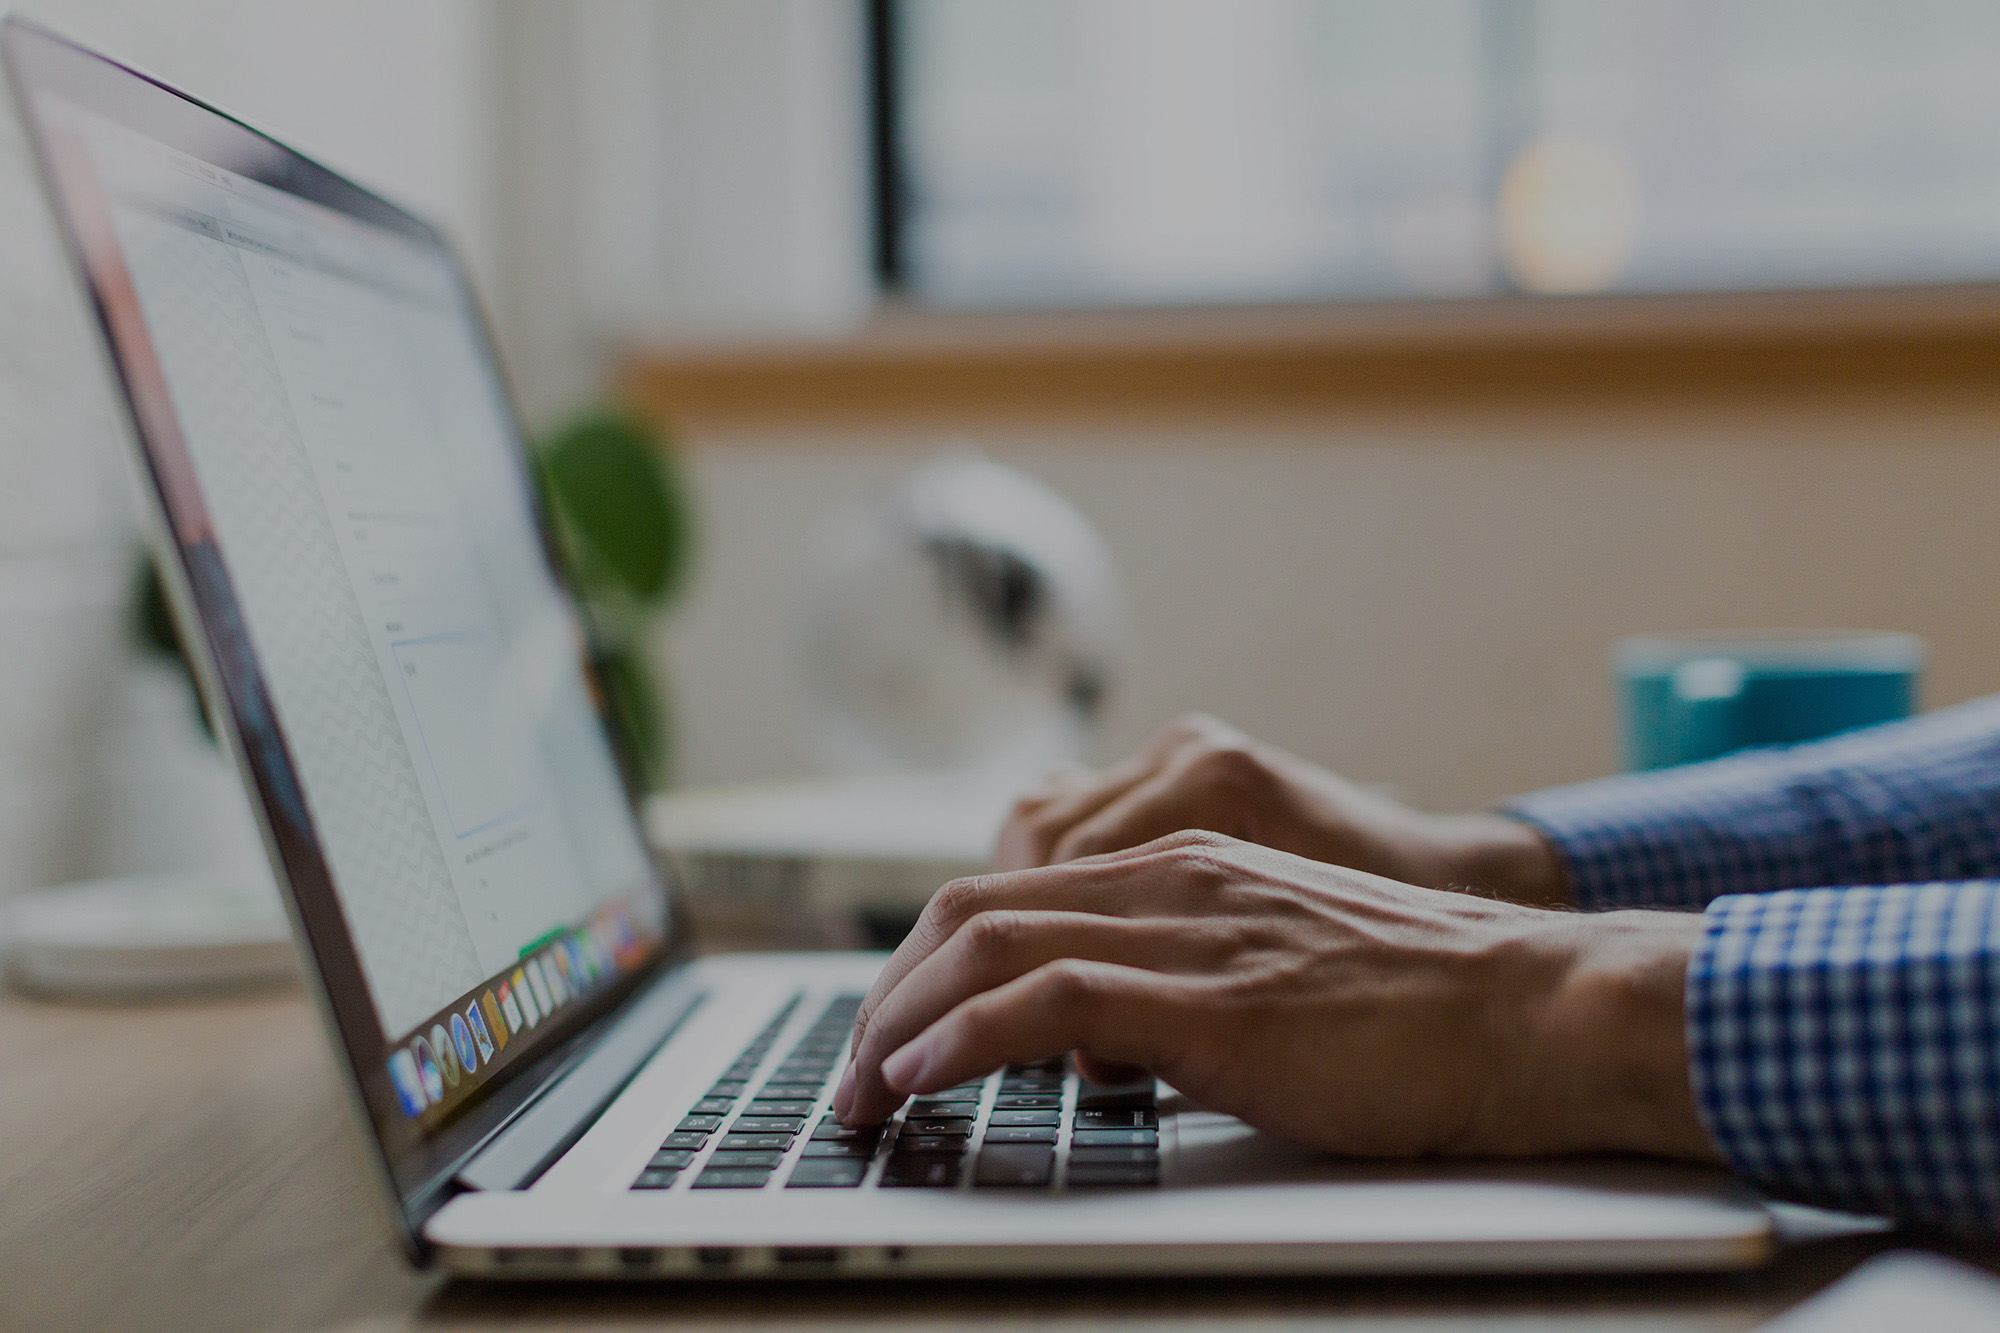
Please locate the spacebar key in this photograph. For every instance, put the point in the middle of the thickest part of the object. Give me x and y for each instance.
(1015, 1164)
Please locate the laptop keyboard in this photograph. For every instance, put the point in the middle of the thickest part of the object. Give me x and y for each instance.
(1032, 1126)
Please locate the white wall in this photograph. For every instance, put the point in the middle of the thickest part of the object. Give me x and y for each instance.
(398, 91)
(1421, 598)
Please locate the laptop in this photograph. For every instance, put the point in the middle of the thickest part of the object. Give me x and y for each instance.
(548, 1080)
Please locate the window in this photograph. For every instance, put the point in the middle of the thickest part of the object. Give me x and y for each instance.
(1079, 152)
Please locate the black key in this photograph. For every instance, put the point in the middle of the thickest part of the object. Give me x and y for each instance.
(699, 1124)
(930, 1143)
(763, 1157)
(1134, 1119)
(802, 1071)
(1027, 1101)
(945, 1111)
(950, 1097)
(1095, 1175)
(798, 1092)
(714, 1106)
(778, 1108)
(827, 1173)
(850, 1151)
(1115, 1138)
(1025, 1118)
(733, 1178)
(1116, 1096)
(681, 1140)
(961, 1128)
(1037, 1067)
(1030, 1082)
(768, 1124)
(831, 1128)
(728, 1087)
(920, 1173)
(650, 1179)
(1019, 1164)
(670, 1159)
(754, 1142)
(1113, 1156)
(1020, 1133)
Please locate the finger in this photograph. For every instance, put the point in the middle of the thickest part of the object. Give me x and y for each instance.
(1043, 818)
(1095, 1070)
(1164, 803)
(994, 948)
(1039, 819)
(1141, 881)
(1115, 1014)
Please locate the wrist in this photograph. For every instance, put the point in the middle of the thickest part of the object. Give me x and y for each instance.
(1499, 857)
(1607, 1061)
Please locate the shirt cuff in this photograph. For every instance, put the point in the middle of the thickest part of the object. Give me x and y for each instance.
(1844, 1046)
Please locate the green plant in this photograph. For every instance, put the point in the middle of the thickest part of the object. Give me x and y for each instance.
(624, 531)
(625, 527)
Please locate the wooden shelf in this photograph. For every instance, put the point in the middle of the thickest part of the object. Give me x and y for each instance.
(917, 363)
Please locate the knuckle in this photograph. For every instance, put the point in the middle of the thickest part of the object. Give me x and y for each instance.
(1068, 981)
(959, 898)
(1190, 841)
(1230, 764)
(992, 932)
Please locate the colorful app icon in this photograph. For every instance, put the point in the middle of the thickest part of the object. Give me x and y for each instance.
(447, 1057)
(427, 1069)
(511, 1007)
(461, 1037)
(481, 1036)
(494, 1020)
(540, 985)
(409, 1083)
(525, 993)
(558, 956)
(555, 971)
(581, 973)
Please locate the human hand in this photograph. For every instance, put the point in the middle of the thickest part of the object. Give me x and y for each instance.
(1199, 773)
(1329, 1007)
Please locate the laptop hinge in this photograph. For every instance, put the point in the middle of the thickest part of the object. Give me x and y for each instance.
(514, 1157)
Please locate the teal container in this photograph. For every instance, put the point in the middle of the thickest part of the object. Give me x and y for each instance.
(1688, 697)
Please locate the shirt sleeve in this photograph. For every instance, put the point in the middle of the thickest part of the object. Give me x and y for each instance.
(1844, 1046)
(1906, 802)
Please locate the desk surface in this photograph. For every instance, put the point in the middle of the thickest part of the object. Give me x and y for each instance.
(188, 1166)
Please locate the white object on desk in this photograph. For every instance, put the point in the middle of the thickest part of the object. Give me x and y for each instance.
(146, 935)
(833, 846)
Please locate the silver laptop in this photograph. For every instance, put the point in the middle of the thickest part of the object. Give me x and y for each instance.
(547, 1080)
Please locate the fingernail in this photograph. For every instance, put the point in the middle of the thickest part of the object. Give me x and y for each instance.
(902, 1069)
(845, 1092)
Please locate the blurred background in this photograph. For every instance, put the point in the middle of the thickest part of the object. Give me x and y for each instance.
(1403, 353)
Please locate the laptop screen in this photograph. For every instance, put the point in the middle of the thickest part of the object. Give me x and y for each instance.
(342, 475)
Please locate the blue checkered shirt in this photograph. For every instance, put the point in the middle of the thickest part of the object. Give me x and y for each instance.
(1843, 1009)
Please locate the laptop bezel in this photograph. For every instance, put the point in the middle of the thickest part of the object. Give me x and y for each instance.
(416, 1170)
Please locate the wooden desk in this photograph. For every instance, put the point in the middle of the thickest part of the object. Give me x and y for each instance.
(188, 1166)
